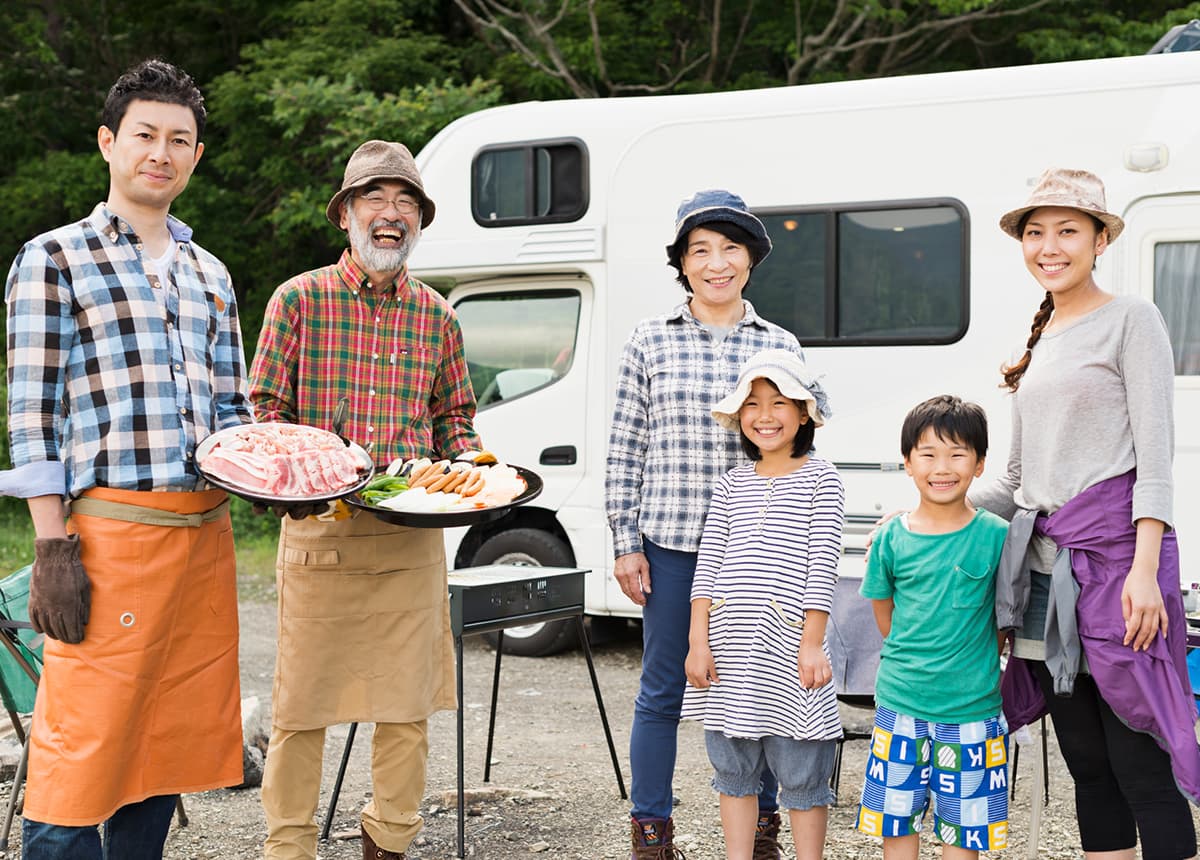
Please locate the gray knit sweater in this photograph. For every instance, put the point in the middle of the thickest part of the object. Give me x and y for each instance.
(1096, 401)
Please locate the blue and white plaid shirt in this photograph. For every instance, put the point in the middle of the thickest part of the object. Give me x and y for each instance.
(114, 377)
(666, 451)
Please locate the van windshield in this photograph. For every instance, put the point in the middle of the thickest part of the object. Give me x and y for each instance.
(518, 342)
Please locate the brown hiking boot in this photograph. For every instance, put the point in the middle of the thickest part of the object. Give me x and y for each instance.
(371, 851)
(766, 837)
(653, 839)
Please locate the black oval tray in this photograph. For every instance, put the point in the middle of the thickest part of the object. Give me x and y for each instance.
(449, 519)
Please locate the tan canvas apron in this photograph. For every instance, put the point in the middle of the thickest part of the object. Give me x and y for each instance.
(364, 624)
(148, 703)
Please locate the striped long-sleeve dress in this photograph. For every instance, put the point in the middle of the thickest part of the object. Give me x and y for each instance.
(769, 554)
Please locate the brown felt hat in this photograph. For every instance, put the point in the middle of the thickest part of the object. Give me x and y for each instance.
(376, 161)
(1071, 189)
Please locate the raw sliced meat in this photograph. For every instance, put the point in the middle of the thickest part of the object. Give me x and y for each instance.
(284, 460)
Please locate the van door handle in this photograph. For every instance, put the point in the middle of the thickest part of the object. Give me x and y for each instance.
(559, 455)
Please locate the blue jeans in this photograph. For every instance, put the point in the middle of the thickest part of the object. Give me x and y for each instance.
(653, 739)
(135, 832)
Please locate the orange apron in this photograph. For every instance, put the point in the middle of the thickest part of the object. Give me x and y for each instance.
(148, 703)
(364, 624)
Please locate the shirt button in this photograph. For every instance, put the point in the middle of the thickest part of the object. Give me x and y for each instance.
(179, 367)
(183, 410)
(372, 392)
(375, 356)
(370, 429)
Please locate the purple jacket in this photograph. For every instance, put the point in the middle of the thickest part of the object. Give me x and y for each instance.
(1149, 690)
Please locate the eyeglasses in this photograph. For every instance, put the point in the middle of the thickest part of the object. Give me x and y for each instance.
(377, 202)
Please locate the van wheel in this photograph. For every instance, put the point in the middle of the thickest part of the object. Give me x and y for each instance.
(530, 548)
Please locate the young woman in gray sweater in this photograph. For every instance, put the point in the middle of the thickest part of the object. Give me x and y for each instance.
(1092, 402)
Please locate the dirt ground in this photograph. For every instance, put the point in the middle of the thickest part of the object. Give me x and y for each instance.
(553, 791)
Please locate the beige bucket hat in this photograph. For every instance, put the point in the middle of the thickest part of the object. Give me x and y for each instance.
(790, 375)
(375, 161)
(1073, 189)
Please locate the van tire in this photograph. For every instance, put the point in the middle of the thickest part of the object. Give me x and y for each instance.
(530, 548)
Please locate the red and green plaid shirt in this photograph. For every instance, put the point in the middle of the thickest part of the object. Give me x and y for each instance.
(397, 353)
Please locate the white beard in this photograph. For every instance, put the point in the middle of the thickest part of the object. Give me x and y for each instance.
(385, 261)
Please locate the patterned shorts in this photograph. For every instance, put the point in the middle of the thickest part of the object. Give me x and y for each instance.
(962, 766)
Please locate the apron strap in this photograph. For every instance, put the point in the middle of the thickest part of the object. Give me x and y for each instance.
(90, 507)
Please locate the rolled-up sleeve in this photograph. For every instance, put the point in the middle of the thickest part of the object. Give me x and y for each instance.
(41, 329)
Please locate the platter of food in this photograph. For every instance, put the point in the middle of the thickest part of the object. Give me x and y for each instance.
(278, 463)
(425, 494)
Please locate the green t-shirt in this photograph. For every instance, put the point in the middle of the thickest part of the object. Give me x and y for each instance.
(940, 662)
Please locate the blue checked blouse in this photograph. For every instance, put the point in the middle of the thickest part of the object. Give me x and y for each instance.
(114, 377)
(666, 451)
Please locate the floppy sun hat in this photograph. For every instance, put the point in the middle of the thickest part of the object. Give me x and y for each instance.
(789, 374)
(377, 161)
(1072, 189)
(705, 207)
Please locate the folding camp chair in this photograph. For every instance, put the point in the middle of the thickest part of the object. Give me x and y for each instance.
(20, 669)
(854, 645)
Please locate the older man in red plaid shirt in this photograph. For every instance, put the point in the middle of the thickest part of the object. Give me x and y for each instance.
(364, 623)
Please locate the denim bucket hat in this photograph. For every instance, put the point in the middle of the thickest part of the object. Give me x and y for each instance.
(788, 372)
(705, 207)
(376, 161)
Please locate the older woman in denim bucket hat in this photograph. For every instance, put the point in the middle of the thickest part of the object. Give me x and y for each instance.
(1090, 576)
(665, 455)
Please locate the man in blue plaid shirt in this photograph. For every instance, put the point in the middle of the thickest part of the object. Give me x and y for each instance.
(124, 353)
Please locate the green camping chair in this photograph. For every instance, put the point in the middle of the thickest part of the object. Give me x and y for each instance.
(20, 669)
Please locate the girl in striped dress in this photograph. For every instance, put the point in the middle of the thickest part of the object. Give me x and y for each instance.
(758, 669)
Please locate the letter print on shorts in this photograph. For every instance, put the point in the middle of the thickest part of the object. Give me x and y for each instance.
(963, 766)
(896, 787)
(970, 784)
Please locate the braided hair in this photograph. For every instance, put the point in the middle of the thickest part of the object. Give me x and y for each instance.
(1013, 372)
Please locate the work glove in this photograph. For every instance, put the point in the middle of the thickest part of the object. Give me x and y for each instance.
(60, 596)
(297, 511)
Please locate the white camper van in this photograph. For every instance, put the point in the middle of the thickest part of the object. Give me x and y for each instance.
(882, 199)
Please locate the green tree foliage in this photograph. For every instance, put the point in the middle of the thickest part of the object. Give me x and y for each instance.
(588, 48)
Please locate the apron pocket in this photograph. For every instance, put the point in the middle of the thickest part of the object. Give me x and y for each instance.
(222, 592)
(119, 630)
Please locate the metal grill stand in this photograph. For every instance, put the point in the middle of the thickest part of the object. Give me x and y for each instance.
(493, 599)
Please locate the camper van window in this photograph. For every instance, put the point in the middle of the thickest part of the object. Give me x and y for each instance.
(518, 342)
(888, 274)
(530, 183)
(1175, 268)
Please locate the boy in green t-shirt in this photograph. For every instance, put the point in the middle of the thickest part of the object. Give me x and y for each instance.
(931, 576)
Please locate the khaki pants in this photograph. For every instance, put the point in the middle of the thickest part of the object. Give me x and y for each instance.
(292, 784)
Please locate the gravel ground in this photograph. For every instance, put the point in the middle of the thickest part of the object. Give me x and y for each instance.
(552, 792)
